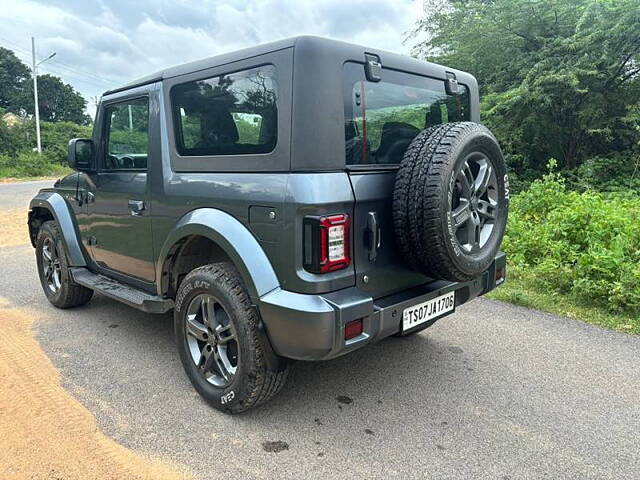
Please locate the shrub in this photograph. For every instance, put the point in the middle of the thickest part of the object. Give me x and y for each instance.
(56, 136)
(616, 172)
(586, 245)
(30, 164)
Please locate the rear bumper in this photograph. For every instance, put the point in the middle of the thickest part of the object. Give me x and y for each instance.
(311, 327)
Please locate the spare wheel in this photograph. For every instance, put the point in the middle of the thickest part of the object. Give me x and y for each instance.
(451, 200)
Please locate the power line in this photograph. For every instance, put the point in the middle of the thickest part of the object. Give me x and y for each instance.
(63, 66)
(56, 69)
(94, 76)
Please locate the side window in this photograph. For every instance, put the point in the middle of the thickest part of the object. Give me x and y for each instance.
(127, 135)
(230, 114)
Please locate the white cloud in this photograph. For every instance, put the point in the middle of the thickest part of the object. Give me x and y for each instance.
(101, 45)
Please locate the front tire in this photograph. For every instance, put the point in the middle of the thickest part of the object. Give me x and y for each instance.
(53, 269)
(219, 343)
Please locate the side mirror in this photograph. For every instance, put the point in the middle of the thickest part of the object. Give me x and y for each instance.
(81, 154)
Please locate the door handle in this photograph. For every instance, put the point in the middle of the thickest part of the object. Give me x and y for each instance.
(136, 207)
(82, 197)
(373, 235)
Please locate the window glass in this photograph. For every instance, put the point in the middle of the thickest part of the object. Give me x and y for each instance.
(382, 118)
(128, 135)
(227, 115)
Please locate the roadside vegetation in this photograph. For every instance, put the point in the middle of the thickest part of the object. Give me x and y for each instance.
(62, 118)
(560, 88)
(575, 253)
(19, 160)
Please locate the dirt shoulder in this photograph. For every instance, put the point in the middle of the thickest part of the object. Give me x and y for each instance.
(13, 228)
(28, 179)
(44, 432)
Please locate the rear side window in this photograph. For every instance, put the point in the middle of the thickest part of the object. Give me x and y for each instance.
(382, 118)
(231, 114)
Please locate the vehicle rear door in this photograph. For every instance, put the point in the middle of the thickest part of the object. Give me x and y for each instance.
(381, 119)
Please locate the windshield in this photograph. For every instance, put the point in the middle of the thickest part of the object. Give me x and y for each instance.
(382, 118)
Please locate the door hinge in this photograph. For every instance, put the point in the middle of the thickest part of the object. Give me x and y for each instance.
(91, 240)
(373, 67)
(451, 85)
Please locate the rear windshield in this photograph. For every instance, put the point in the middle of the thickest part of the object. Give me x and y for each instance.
(382, 118)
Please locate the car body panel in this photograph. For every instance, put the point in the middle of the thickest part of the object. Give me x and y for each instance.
(237, 242)
(55, 203)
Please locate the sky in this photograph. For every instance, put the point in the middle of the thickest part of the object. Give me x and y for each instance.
(105, 43)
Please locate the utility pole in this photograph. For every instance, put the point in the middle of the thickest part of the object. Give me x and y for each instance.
(36, 107)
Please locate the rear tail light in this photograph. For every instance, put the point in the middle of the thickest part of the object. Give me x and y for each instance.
(326, 243)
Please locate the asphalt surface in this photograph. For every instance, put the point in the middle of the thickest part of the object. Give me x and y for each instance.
(18, 194)
(493, 391)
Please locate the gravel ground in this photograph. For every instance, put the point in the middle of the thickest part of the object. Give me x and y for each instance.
(493, 391)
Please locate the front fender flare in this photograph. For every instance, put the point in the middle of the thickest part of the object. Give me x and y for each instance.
(56, 204)
(235, 240)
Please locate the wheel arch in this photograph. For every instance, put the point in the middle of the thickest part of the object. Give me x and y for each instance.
(52, 206)
(228, 240)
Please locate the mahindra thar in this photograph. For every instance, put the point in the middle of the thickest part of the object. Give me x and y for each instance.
(292, 201)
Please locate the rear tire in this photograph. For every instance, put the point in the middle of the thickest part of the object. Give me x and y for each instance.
(219, 341)
(53, 269)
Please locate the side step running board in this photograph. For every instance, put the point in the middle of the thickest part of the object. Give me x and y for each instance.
(119, 291)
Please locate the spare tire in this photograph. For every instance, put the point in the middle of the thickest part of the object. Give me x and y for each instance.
(450, 201)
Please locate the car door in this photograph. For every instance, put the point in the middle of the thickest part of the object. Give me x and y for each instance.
(118, 199)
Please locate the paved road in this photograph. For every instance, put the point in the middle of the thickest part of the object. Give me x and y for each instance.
(494, 391)
(16, 195)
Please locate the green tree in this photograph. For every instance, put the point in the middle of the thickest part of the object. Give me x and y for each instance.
(14, 75)
(58, 101)
(559, 77)
(6, 140)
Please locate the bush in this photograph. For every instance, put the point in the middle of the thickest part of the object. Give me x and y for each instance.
(617, 172)
(585, 245)
(30, 164)
(17, 144)
(54, 138)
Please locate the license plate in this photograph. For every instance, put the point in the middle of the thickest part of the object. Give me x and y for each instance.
(423, 312)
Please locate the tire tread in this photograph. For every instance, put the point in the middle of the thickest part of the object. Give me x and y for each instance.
(73, 294)
(263, 383)
(421, 184)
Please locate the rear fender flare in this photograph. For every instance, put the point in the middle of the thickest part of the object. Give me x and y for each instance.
(56, 204)
(234, 239)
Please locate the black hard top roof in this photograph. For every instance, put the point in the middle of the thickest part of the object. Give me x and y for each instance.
(312, 43)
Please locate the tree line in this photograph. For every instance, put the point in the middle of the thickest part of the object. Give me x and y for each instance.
(558, 78)
(58, 101)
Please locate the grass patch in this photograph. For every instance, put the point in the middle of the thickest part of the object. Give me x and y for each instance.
(575, 254)
(525, 289)
(8, 175)
(31, 179)
(30, 165)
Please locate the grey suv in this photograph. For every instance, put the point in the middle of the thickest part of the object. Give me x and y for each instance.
(293, 201)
